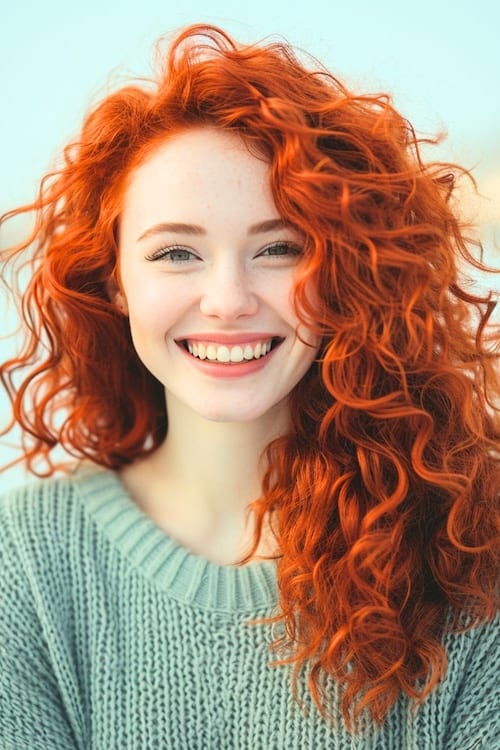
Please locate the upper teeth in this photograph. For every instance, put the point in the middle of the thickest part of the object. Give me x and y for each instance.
(225, 353)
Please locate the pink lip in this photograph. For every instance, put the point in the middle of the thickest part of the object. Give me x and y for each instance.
(230, 339)
(233, 370)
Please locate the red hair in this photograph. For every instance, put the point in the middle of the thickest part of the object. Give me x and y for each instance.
(383, 496)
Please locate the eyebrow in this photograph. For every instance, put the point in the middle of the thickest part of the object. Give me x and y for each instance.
(175, 227)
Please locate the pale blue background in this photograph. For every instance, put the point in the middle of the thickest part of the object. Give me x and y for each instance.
(439, 59)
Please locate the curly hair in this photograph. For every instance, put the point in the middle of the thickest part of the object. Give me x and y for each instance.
(383, 496)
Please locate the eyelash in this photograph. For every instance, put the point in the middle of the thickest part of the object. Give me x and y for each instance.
(291, 247)
(168, 252)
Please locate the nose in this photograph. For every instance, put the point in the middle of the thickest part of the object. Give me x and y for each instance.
(227, 292)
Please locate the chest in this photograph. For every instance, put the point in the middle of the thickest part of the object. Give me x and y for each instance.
(163, 675)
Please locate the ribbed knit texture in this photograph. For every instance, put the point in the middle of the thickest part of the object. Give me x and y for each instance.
(112, 636)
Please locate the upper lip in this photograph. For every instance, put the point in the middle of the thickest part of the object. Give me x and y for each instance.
(230, 339)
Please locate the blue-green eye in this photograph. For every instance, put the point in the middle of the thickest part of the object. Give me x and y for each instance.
(174, 254)
(281, 249)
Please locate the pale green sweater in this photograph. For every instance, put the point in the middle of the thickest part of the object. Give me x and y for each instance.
(112, 636)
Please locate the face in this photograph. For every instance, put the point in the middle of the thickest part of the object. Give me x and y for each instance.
(207, 269)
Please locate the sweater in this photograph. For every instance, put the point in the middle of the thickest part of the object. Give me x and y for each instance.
(114, 636)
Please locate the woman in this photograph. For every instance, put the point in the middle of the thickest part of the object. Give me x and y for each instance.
(246, 324)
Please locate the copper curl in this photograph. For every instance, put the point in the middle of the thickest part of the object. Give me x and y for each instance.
(383, 496)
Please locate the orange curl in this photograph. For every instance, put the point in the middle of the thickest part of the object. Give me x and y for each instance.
(383, 496)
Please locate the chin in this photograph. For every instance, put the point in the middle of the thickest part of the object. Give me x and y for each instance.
(236, 416)
(250, 413)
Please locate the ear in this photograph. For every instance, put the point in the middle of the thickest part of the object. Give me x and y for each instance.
(116, 296)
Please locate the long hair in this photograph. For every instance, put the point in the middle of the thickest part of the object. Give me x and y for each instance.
(383, 496)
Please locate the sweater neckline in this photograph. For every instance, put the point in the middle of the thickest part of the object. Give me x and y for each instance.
(168, 565)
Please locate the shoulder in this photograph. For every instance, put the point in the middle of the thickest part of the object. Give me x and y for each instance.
(468, 700)
(475, 646)
(32, 504)
(474, 658)
(39, 517)
(28, 499)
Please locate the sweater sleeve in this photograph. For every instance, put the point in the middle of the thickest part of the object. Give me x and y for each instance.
(32, 715)
(475, 717)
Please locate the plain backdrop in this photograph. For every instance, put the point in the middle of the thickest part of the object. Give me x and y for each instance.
(438, 58)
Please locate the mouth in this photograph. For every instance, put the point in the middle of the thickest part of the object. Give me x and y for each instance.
(230, 354)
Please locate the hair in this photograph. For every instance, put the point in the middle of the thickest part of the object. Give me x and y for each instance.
(383, 496)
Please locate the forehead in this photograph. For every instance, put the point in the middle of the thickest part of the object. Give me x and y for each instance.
(196, 166)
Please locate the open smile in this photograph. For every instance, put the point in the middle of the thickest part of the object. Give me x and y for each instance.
(223, 361)
(227, 354)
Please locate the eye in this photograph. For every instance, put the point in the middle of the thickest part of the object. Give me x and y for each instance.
(174, 254)
(281, 249)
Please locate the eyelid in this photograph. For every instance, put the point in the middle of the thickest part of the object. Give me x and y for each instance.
(290, 244)
(164, 252)
(294, 248)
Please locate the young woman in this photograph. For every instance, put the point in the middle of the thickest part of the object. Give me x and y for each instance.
(247, 325)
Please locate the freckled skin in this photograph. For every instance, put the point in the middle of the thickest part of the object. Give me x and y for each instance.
(221, 279)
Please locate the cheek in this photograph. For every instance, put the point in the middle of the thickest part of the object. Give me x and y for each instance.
(277, 293)
(280, 296)
(307, 355)
(153, 303)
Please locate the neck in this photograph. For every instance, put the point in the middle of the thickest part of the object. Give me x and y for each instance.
(219, 464)
(198, 484)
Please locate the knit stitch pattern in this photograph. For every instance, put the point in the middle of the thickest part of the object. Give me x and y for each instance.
(115, 637)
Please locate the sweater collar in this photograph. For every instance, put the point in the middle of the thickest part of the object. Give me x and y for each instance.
(169, 566)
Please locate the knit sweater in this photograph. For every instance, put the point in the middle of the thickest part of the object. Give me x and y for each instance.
(113, 636)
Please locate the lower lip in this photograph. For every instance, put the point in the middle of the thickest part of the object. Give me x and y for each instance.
(233, 370)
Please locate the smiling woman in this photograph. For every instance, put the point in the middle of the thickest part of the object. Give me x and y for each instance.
(208, 286)
(247, 324)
